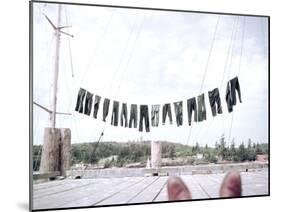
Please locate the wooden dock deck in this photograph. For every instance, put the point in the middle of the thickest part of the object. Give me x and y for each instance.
(108, 191)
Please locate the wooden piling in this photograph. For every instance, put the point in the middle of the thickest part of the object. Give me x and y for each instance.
(65, 150)
(156, 151)
(56, 152)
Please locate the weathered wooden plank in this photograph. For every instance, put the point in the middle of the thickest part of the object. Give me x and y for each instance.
(210, 187)
(106, 191)
(44, 185)
(151, 192)
(162, 196)
(68, 185)
(125, 195)
(102, 191)
(196, 190)
(218, 178)
(61, 198)
(257, 189)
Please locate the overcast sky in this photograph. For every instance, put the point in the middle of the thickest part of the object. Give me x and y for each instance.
(152, 57)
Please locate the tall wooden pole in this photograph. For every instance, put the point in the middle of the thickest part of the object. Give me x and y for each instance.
(56, 71)
(57, 141)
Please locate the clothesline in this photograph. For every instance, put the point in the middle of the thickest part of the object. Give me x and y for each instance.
(88, 105)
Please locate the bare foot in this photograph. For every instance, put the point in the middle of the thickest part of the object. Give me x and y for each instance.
(177, 190)
(231, 187)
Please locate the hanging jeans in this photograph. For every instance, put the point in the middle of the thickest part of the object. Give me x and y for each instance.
(230, 96)
(166, 110)
(178, 112)
(144, 115)
(215, 101)
(191, 106)
(80, 100)
(133, 115)
(88, 103)
(106, 103)
(115, 112)
(96, 105)
(124, 115)
(155, 115)
(201, 108)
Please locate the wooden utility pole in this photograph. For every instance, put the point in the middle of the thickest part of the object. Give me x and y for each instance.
(56, 71)
(57, 141)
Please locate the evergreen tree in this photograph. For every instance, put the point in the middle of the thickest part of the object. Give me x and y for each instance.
(242, 152)
(222, 151)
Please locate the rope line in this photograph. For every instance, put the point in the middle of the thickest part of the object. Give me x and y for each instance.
(228, 51)
(114, 76)
(239, 70)
(131, 53)
(228, 76)
(69, 46)
(232, 50)
(98, 47)
(228, 62)
(123, 53)
(122, 57)
(206, 68)
(209, 56)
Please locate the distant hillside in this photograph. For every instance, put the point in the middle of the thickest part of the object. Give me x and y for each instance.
(108, 154)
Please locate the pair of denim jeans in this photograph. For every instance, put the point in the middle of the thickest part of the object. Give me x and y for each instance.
(106, 103)
(115, 113)
(124, 114)
(80, 100)
(155, 109)
(215, 101)
(167, 110)
(88, 103)
(191, 106)
(96, 106)
(178, 112)
(144, 116)
(201, 108)
(133, 116)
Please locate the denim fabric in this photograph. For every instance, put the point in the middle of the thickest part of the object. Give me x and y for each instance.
(124, 115)
(167, 110)
(133, 115)
(144, 116)
(106, 103)
(178, 112)
(115, 113)
(230, 96)
(88, 103)
(96, 105)
(191, 106)
(155, 115)
(80, 100)
(215, 101)
(201, 108)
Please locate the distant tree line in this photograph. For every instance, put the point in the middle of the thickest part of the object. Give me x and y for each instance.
(36, 157)
(121, 154)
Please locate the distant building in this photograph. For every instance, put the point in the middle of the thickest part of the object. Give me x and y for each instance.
(199, 156)
(262, 157)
